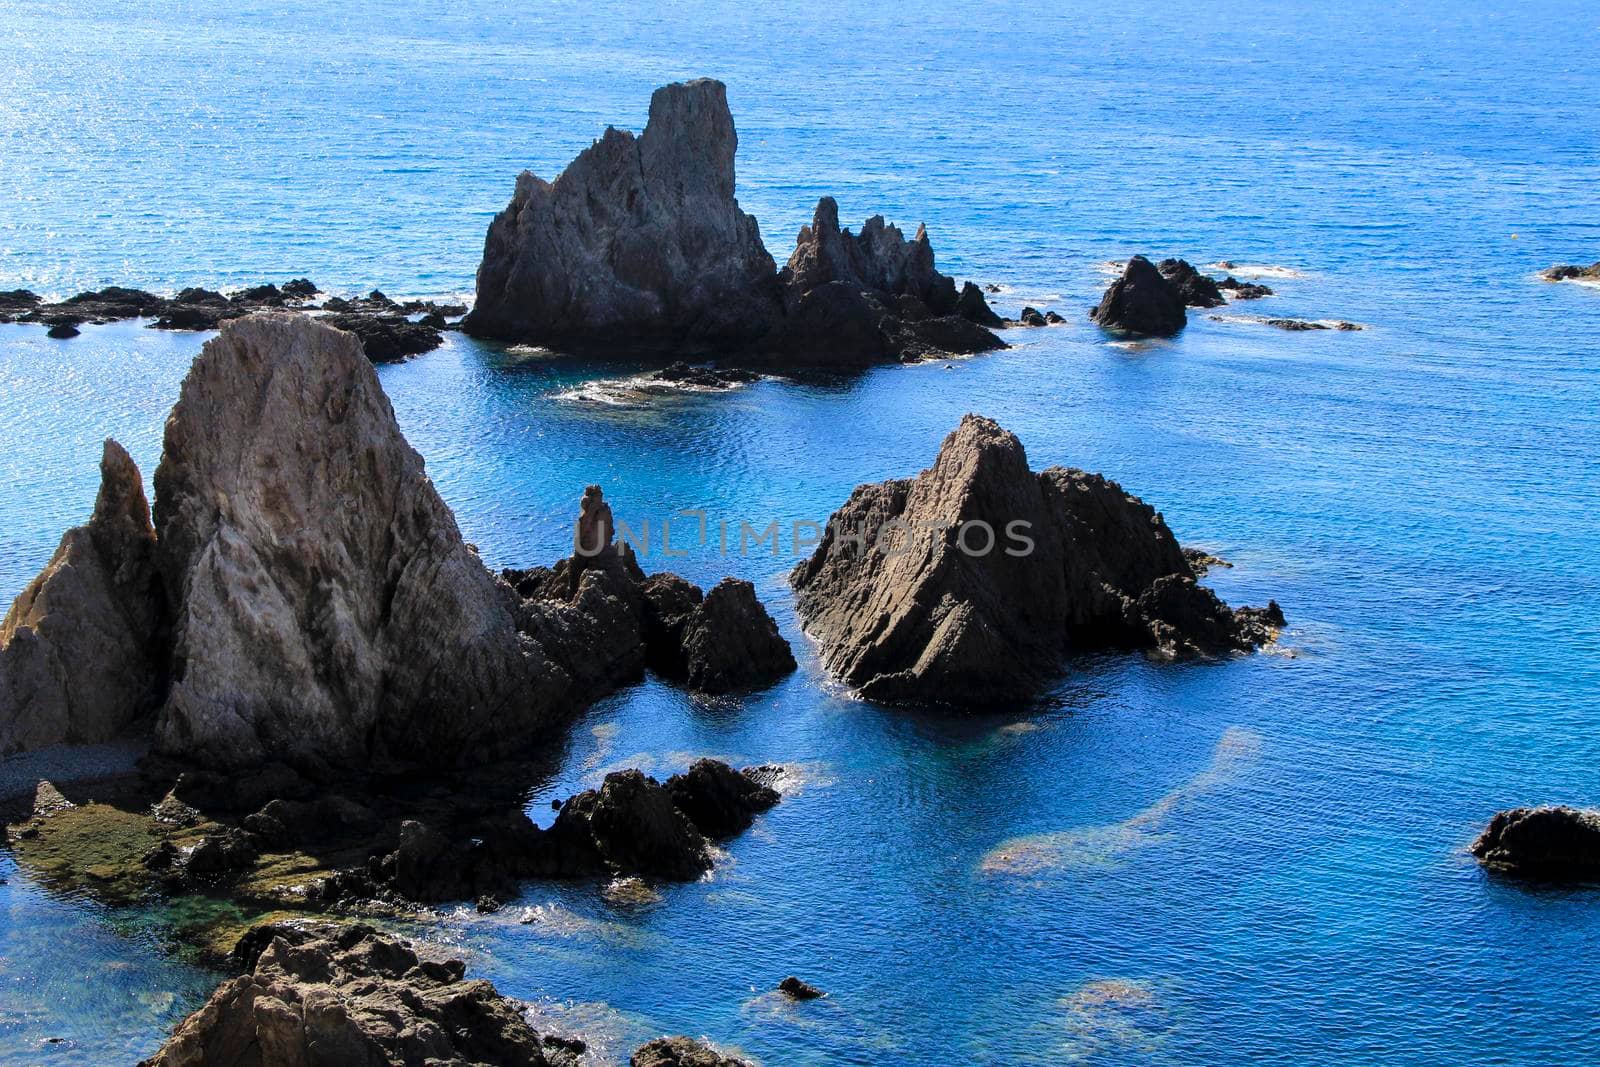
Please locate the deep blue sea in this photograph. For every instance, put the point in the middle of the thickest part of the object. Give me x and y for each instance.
(1257, 860)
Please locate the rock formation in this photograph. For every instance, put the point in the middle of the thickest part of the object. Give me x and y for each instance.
(970, 583)
(716, 643)
(327, 609)
(798, 989)
(1141, 302)
(322, 993)
(719, 800)
(81, 654)
(639, 238)
(1554, 843)
(1238, 290)
(852, 299)
(1197, 290)
(640, 243)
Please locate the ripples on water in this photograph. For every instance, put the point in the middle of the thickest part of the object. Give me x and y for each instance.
(1277, 841)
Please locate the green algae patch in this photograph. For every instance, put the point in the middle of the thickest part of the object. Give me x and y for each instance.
(92, 848)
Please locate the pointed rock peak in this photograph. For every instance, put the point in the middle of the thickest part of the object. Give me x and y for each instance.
(922, 234)
(1140, 269)
(121, 497)
(980, 447)
(826, 218)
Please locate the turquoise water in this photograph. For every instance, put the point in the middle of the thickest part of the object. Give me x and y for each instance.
(1258, 860)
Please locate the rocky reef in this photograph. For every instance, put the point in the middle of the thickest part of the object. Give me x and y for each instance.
(1142, 302)
(304, 595)
(682, 1052)
(641, 244)
(1561, 272)
(971, 582)
(82, 648)
(386, 331)
(1556, 843)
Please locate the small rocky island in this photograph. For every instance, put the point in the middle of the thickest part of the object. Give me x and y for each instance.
(970, 583)
(641, 244)
(1552, 843)
(1569, 272)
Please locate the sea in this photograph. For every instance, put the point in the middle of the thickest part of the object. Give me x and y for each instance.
(1261, 859)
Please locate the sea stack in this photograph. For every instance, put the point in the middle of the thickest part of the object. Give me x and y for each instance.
(1142, 302)
(970, 583)
(640, 240)
(640, 246)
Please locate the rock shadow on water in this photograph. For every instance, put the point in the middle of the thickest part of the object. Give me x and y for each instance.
(1107, 845)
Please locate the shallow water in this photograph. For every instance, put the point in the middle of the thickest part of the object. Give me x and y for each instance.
(1261, 858)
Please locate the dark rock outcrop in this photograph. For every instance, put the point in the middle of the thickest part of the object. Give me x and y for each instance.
(682, 1052)
(853, 299)
(1197, 290)
(1557, 843)
(640, 243)
(719, 800)
(388, 338)
(640, 238)
(1141, 302)
(1565, 272)
(1029, 316)
(683, 374)
(331, 994)
(81, 650)
(796, 989)
(629, 825)
(972, 306)
(725, 642)
(970, 583)
(327, 609)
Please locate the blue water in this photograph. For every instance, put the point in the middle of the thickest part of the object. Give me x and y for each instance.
(1256, 860)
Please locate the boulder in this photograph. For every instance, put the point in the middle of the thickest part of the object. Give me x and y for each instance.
(970, 583)
(1197, 290)
(321, 993)
(1141, 302)
(82, 647)
(327, 608)
(1031, 317)
(682, 1052)
(62, 331)
(729, 641)
(798, 989)
(640, 238)
(300, 289)
(719, 800)
(1551, 842)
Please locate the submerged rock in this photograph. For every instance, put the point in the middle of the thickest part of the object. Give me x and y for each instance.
(325, 993)
(1552, 842)
(682, 1052)
(1141, 302)
(971, 582)
(81, 649)
(1197, 290)
(327, 609)
(640, 238)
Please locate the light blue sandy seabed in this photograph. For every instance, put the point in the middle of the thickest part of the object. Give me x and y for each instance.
(1261, 859)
